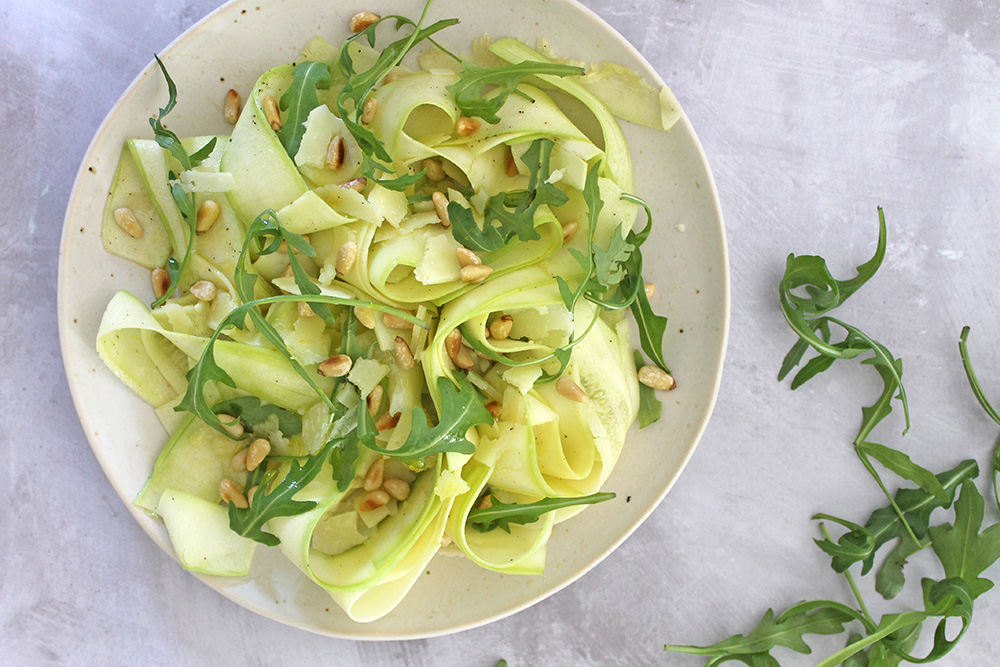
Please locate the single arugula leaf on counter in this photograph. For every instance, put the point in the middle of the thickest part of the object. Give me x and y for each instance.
(252, 411)
(501, 515)
(278, 501)
(468, 90)
(649, 405)
(299, 100)
(185, 202)
(462, 407)
(514, 211)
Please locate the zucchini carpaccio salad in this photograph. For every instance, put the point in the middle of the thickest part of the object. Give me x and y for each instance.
(389, 310)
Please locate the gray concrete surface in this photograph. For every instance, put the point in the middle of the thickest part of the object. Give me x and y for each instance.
(811, 113)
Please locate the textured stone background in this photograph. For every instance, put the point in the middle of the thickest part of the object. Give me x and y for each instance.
(811, 113)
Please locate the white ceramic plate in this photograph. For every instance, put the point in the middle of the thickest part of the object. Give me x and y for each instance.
(686, 258)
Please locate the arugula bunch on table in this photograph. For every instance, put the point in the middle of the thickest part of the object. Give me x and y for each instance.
(964, 550)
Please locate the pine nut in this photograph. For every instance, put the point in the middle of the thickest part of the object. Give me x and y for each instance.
(396, 322)
(458, 353)
(336, 366)
(373, 478)
(441, 208)
(475, 273)
(346, 257)
(373, 500)
(571, 390)
(404, 355)
(650, 290)
(208, 213)
(511, 165)
(239, 461)
(500, 327)
(335, 153)
(365, 316)
(485, 502)
(368, 110)
(257, 452)
(375, 400)
(161, 282)
(467, 258)
(466, 126)
(390, 77)
(569, 231)
(305, 310)
(435, 170)
(387, 421)
(231, 425)
(657, 378)
(288, 272)
(251, 493)
(397, 488)
(356, 184)
(204, 290)
(129, 224)
(231, 110)
(271, 113)
(363, 21)
(495, 409)
(230, 493)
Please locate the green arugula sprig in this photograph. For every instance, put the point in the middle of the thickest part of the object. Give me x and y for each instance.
(185, 202)
(299, 101)
(359, 85)
(963, 549)
(468, 90)
(251, 412)
(501, 515)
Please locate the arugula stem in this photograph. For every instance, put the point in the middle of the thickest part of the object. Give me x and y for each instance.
(850, 582)
(892, 501)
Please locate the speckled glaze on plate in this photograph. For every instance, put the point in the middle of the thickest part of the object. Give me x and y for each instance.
(686, 258)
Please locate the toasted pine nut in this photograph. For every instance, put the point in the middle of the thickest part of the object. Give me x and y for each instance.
(346, 257)
(363, 21)
(239, 461)
(250, 494)
(368, 110)
(161, 282)
(231, 110)
(397, 488)
(257, 452)
(365, 316)
(485, 502)
(204, 290)
(500, 327)
(511, 165)
(375, 400)
(463, 359)
(467, 258)
(208, 213)
(650, 290)
(390, 77)
(466, 126)
(230, 493)
(231, 425)
(571, 390)
(357, 184)
(404, 355)
(288, 272)
(373, 478)
(336, 366)
(435, 170)
(657, 378)
(387, 421)
(396, 322)
(125, 218)
(495, 409)
(305, 310)
(453, 342)
(475, 273)
(271, 113)
(373, 500)
(569, 231)
(335, 153)
(441, 208)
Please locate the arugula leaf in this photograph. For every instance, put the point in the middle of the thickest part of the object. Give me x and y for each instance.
(608, 264)
(462, 407)
(519, 222)
(964, 552)
(299, 100)
(250, 410)
(501, 515)
(649, 405)
(469, 87)
(276, 502)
